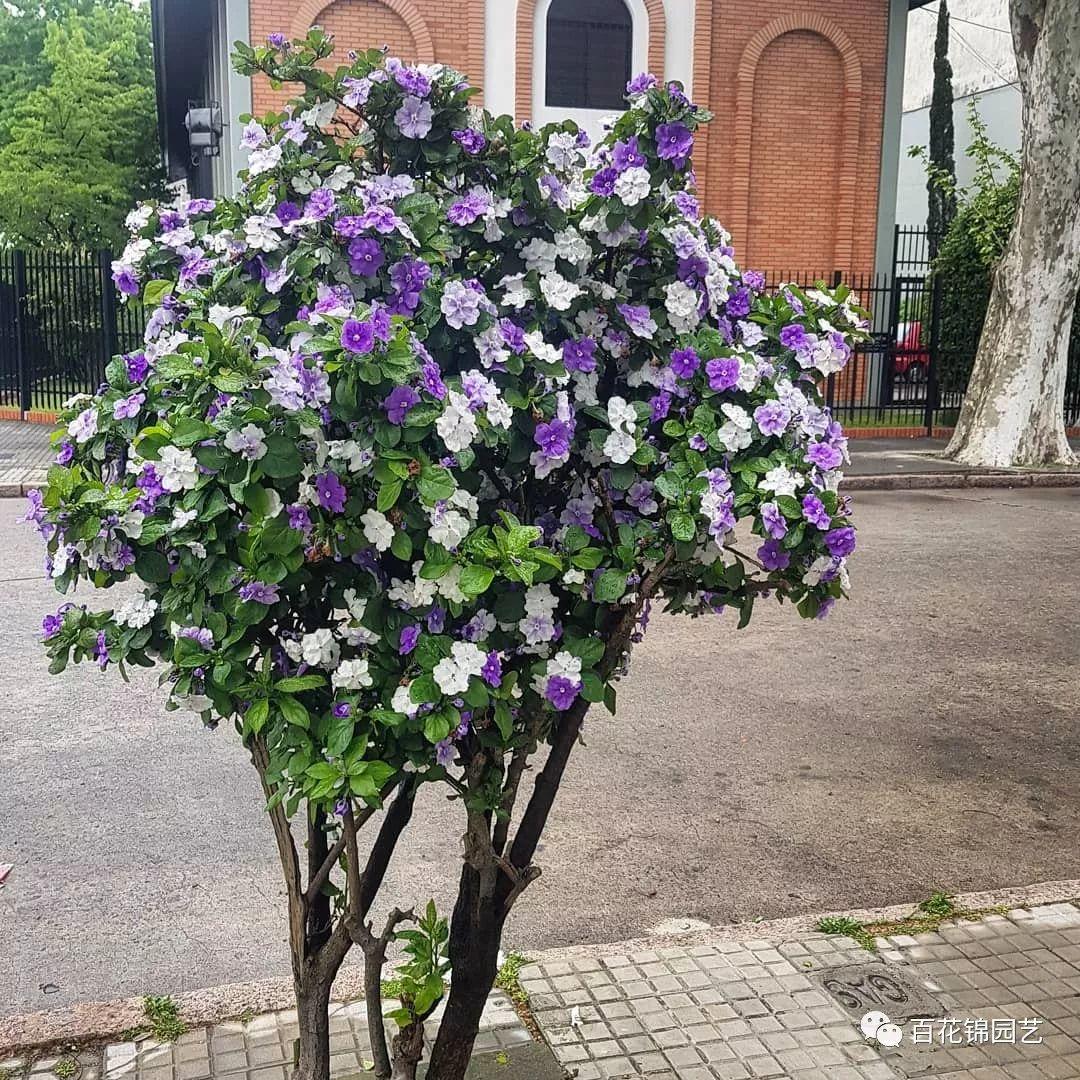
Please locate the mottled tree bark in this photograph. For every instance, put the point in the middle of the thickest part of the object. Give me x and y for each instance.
(1013, 412)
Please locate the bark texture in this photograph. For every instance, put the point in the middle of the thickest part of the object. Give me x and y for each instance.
(1013, 412)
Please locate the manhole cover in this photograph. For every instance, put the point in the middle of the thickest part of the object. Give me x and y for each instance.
(861, 988)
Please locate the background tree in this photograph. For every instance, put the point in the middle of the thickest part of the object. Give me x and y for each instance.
(1013, 412)
(78, 140)
(941, 198)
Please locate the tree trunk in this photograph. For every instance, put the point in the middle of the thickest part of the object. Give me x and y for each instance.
(475, 933)
(1013, 412)
(313, 1011)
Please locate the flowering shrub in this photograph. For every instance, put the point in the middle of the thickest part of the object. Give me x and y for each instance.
(425, 419)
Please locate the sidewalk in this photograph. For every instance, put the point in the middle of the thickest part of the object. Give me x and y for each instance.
(993, 997)
(25, 456)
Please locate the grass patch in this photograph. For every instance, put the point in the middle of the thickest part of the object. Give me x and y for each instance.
(927, 917)
(509, 978)
(66, 1068)
(163, 1017)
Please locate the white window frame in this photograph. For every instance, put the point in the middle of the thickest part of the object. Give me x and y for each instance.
(592, 120)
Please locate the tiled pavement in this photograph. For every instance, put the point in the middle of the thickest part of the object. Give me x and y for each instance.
(25, 455)
(727, 1009)
(742, 1009)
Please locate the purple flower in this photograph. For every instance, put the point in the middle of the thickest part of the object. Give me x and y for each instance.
(410, 635)
(199, 634)
(638, 318)
(137, 367)
(52, 624)
(840, 542)
(398, 403)
(444, 752)
(65, 453)
(125, 280)
(491, 672)
(561, 692)
(128, 407)
(276, 40)
(603, 183)
(639, 84)
(101, 651)
(685, 362)
(413, 119)
(626, 155)
(687, 205)
(772, 556)
(824, 455)
(579, 355)
(698, 442)
(513, 336)
(553, 437)
(793, 336)
(738, 303)
(466, 210)
(342, 709)
(320, 204)
(754, 279)
(472, 142)
(723, 373)
(773, 520)
(357, 336)
(772, 417)
(259, 592)
(330, 491)
(299, 518)
(660, 404)
(408, 276)
(431, 377)
(365, 256)
(814, 511)
(413, 81)
(436, 620)
(674, 143)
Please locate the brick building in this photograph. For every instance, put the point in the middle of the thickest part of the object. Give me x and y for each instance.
(800, 162)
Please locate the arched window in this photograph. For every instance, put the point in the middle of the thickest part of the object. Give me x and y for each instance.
(589, 47)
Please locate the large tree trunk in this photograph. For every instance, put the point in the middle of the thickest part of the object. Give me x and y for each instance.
(313, 1012)
(1013, 412)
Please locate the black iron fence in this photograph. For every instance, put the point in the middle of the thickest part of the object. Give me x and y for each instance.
(60, 323)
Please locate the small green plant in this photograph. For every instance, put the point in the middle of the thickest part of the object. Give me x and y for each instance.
(66, 1068)
(164, 1018)
(940, 904)
(852, 928)
(509, 978)
(421, 978)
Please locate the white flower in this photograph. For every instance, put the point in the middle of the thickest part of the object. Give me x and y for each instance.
(633, 185)
(499, 413)
(377, 529)
(413, 594)
(681, 302)
(219, 315)
(781, 481)
(541, 349)
(539, 255)
(572, 246)
(734, 434)
(263, 159)
(136, 612)
(138, 218)
(351, 675)
(621, 413)
(449, 585)
(260, 232)
(448, 527)
(560, 150)
(177, 469)
(817, 568)
(565, 664)
(85, 426)
(181, 519)
(619, 447)
(131, 521)
(452, 673)
(319, 649)
(402, 703)
(248, 442)
(559, 292)
(457, 425)
(515, 292)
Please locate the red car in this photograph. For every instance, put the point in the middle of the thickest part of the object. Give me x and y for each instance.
(910, 360)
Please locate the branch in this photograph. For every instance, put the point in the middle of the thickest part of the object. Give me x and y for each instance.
(513, 781)
(374, 949)
(290, 862)
(322, 875)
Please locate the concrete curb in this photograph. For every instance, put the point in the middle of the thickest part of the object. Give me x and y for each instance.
(95, 1021)
(943, 480)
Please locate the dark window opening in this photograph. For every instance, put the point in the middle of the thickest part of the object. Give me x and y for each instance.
(589, 53)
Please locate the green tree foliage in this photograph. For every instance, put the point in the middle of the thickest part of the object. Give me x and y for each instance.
(78, 131)
(941, 206)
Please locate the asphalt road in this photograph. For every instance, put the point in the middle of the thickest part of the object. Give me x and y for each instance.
(925, 736)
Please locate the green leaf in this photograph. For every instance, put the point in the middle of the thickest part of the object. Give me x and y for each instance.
(424, 690)
(610, 586)
(401, 545)
(294, 712)
(475, 579)
(156, 291)
(295, 684)
(388, 495)
(671, 486)
(592, 688)
(256, 716)
(282, 459)
(438, 725)
(504, 720)
(682, 525)
(151, 565)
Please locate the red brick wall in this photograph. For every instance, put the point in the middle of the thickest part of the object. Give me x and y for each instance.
(791, 160)
(416, 30)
